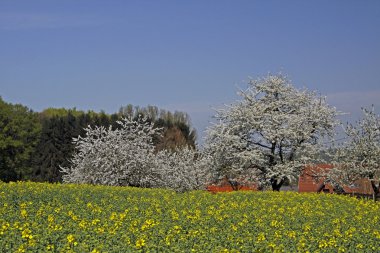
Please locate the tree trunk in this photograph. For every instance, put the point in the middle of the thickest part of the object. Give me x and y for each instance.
(321, 187)
(276, 186)
(234, 184)
(338, 189)
(375, 189)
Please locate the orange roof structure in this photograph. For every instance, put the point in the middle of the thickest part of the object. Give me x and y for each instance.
(224, 186)
(308, 182)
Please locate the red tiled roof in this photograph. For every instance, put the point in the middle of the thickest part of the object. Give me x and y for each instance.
(224, 186)
(308, 183)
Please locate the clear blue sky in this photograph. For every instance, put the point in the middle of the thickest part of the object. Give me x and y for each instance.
(185, 55)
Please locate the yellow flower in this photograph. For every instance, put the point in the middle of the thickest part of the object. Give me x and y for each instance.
(167, 240)
(21, 248)
(341, 249)
(291, 234)
(50, 218)
(94, 222)
(26, 233)
(148, 224)
(82, 224)
(100, 230)
(359, 246)
(140, 243)
(70, 238)
(24, 213)
(323, 244)
(113, 216)
(261, 237)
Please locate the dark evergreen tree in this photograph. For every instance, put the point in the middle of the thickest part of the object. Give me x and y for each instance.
(55, 146)
(49, 152)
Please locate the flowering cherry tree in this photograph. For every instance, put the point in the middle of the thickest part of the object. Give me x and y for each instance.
(127, 156)
(183, 170)
(122, 156)
(271, 133)
(359, 156)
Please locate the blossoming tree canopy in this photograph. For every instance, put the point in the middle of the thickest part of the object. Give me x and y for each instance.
(359, 156)
(183, 170)
(127, 156)
(114, 156)
(270, 133)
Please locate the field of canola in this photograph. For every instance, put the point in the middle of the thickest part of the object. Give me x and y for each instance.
(41, 217)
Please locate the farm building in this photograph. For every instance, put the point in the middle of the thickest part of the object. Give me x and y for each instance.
(225, 185)
(309, 183)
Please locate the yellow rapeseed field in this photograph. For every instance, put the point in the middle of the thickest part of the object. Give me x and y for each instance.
(41, 217)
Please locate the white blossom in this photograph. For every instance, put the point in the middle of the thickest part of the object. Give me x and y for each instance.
(359, 156)
(127, 156)
(183, 170)
(271, 133)
(114, 156)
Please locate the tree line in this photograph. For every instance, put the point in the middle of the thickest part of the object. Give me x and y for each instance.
(267, 136)
(34, 145)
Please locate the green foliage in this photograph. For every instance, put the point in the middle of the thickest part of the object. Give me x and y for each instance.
(19, 132)
(34, 145)
(61, 112)
(83, 218)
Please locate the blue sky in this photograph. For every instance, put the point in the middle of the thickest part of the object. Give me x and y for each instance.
(185, 55)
